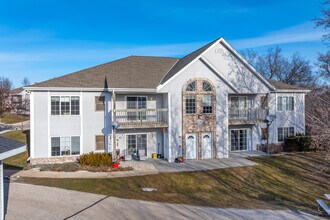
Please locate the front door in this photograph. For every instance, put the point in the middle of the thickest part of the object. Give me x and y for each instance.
(191, 146)
(207, 146)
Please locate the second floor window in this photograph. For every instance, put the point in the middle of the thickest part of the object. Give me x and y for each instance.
(65, 105)
(99, 103)
(190, 104)
(207, 104)
(285, 104)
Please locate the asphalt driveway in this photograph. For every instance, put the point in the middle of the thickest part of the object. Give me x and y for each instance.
(40, 202)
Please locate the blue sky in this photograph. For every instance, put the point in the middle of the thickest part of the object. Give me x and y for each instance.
(44, 39)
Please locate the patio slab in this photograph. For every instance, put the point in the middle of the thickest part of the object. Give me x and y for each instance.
(148, 167)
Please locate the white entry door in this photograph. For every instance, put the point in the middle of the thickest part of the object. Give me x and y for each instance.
(207, 146)
(191, 146)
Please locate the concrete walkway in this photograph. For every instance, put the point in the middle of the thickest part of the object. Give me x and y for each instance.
(141, 168)
(40, 202)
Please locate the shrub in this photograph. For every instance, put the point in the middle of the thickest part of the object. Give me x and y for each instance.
(299, 143)
(95, 159)
(273, 148)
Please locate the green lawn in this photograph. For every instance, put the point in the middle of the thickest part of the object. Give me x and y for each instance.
(18, 161)
(13, 118)
(278, 182)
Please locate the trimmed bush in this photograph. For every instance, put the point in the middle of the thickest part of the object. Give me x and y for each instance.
(95, 159)
(297, 143)
(273, 148)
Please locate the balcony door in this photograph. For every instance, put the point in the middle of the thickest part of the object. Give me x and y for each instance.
(238, 105)
(136, 103)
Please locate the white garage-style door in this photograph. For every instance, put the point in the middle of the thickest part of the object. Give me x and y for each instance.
(191, 146)
(207, 146)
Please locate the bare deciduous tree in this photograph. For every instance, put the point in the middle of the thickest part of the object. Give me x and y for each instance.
(324, 21)
(323, 63)
(26, 82)
(295, 70)
(5, 87)
(318, 118)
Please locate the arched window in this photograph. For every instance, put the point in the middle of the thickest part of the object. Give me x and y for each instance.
(207, 87)
(191, 87)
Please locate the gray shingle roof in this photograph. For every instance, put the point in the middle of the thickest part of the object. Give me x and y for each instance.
(16, 91)
(280, 85)
(184, 61)
(135, 72)
(8, 144)
(129, 72)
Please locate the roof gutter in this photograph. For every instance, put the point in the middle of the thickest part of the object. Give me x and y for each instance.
(291, 90)
(148, 90)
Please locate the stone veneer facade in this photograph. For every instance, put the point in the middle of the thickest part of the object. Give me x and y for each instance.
(189, 121)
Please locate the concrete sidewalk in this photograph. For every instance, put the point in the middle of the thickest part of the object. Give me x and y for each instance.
(141, 168)
(40, 202)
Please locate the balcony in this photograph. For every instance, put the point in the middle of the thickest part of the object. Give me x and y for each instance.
(247, 115)
(142, 118)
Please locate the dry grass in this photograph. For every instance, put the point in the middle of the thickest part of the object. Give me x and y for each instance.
(281, 182)
(13, 118)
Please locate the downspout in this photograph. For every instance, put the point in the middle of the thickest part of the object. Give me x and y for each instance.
(112, 120)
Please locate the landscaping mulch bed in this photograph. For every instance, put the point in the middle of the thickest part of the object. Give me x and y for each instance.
(74, 167)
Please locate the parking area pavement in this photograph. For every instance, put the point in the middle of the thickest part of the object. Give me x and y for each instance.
(40, 202)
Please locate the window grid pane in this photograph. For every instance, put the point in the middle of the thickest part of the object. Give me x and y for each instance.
(191, 87)
(190, 104)
(75, 145)
(75, 105)
(284, 132)
(207, 104)
(55, 105)
(206, 86)
(56, 146)
(65, 105)
(65, 146)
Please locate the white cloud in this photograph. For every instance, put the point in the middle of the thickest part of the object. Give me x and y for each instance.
(301, 33)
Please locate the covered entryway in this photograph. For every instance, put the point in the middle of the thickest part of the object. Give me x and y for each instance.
(207, 145)
(191, 143)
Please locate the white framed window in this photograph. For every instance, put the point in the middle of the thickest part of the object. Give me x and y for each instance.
(55, 105)
(284, 132)
(69, 145)
(207, 104)
(190, 104)
(191, 87)
(75, 105)
(285, 103)
(65, 105)
(239, 139)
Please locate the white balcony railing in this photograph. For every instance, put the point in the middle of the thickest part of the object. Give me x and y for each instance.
(132, 118)
(249, 114)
